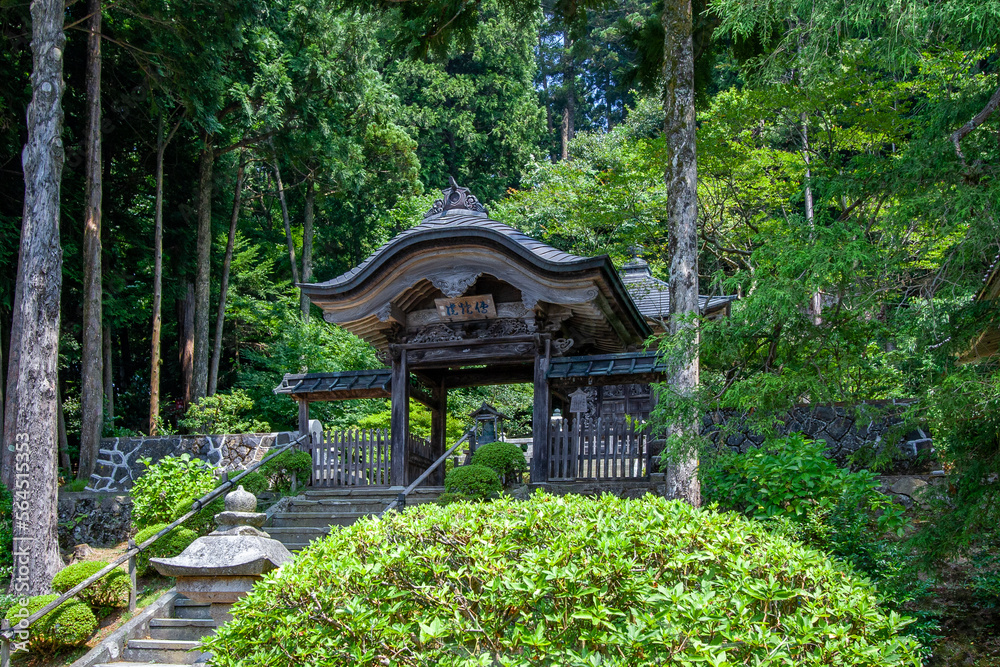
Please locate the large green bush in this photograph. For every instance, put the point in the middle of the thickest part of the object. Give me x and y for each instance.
(279, 470)
(792, 477)
(561, 581)
(110, 592)
(505, 458)
(473, 481)
(167, 485)
(167, 546)
(70, 624)
(223, 413)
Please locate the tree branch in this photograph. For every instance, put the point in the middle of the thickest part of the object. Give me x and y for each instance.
(244, 143)
(976, 121)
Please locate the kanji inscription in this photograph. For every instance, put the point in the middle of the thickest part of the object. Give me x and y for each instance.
(477, 307)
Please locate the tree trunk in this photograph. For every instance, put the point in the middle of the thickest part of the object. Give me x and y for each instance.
(569, 81)
(220, 318)
(307, 244)
(156, 353)
(203, 273)
(545, 94)
(185, 317)
(816, 299)
(30, 425)
(681, 176)
(154, 369)
(109, 378)
(284, 217)
(64, 459)
(91, 393)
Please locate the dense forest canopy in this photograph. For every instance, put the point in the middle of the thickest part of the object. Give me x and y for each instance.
(847, 185)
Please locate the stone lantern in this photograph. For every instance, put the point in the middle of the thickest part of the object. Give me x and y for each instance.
(223, 566)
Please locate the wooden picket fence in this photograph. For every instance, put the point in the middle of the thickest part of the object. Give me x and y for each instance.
(354, 457)
(606, 448)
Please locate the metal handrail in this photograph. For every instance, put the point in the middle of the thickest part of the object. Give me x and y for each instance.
(6, 632)
(400, 501)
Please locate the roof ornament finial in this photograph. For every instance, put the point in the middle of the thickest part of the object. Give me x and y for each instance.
(455, 197)
(636, 266)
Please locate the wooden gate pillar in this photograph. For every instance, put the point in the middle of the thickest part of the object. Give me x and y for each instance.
(439, 435)
(303, 416)
(541, 417)
(399, 426)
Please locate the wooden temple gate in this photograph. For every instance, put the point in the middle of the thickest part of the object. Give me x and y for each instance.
(461, 300)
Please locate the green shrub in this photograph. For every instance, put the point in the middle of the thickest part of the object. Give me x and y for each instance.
(474, 482)
(167, 485)
(203, 522)
(75, 485)
(792, 477)
(560, 580)
(279, 470)
(6, 528)
(70, 624)
(505, 458)
(223, 413)
(109, 593)
(6, 602)
(255, 483)
(167, 546)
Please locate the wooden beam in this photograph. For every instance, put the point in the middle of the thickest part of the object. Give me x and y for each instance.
(314, 397)
(399, 425)
(540, 416)
(609, 314)
(491, 375)
(604, 380)
(422, 397)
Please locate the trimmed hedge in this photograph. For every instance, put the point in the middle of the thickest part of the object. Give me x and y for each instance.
(279, 470)
(254, 483)
(70, 624)
(109, 593)
(473, 482)
(505, 458)
(560, 580)
(167, 546)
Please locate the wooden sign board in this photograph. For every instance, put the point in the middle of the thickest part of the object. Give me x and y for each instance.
(578, 401)
(478, 307)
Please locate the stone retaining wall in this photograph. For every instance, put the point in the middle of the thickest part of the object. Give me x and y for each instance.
(845, 430)
(118, 463)
(97, 519)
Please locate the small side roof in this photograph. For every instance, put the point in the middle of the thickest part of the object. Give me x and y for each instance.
(652, 295)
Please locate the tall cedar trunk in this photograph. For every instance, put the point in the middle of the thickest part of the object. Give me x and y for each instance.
(156, 353)
(185, 322)
(91, 392)
(154, 357)
(681, 176)
(203, 272)
(284, 217)
(307, 244)
(569, 110)
(545, 92)
(109, 378)
(64, 460)
(220, 318)
(816, 299)
(31, 416)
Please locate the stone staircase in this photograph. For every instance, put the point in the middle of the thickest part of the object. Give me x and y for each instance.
(172, 641)
(311, 515)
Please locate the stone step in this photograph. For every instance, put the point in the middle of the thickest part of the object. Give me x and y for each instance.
(389, 493)
(314, 519)
(185, 608)
(189, 629)
(159, 651)
(140, 664)
(337, 506)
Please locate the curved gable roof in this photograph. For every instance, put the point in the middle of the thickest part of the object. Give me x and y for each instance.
(449, 226)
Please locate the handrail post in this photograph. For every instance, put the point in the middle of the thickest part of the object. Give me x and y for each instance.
(131, 576)
(401, 502)
(4, 644)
